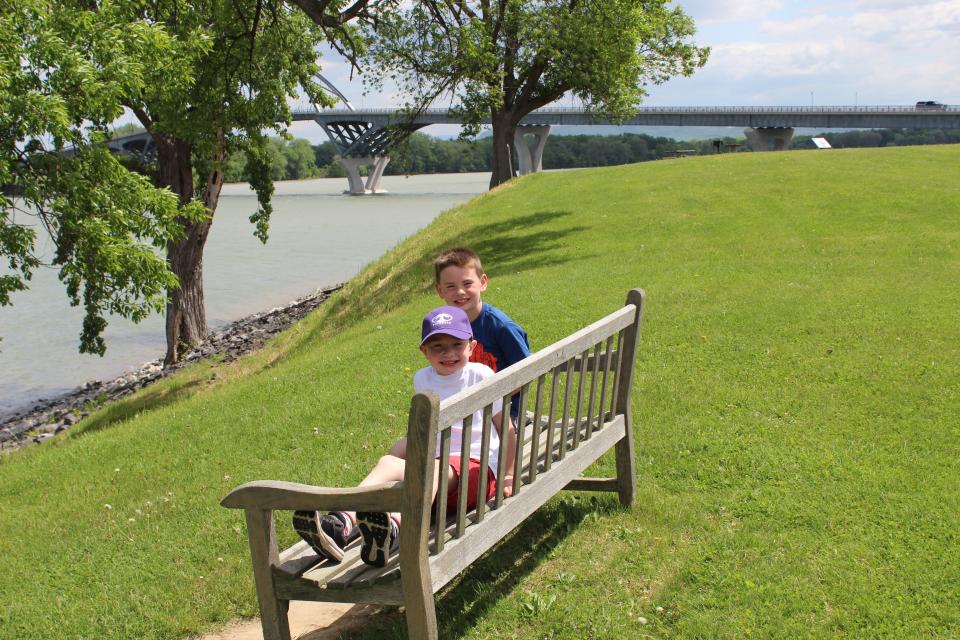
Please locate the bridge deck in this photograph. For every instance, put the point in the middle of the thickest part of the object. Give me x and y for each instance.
(877, 117)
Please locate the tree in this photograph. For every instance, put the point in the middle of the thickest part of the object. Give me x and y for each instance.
(217, 80)
(105, 223)
(205, 78)
(502, 60)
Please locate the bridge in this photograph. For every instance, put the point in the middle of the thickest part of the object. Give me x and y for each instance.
(364, 137)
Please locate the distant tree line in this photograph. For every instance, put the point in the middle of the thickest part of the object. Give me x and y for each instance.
(297, 159)
(881, 138)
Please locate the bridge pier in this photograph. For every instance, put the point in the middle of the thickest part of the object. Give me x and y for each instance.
(359, 187)
(769, 138)
(530, 152)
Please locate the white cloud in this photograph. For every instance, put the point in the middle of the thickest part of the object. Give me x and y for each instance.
(714, 12)
(887, 52)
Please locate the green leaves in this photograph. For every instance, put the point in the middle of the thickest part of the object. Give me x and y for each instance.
(498, 62)
(62, 81)
(202, 76)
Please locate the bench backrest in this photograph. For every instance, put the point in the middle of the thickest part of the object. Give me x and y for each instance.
(568, 391)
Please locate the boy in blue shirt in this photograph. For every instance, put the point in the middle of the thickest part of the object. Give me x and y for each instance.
(460, 280)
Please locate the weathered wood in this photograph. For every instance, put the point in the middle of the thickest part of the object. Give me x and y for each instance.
(545, 463)
(594, 361)
(568, 384)
(462, 486)
(593, 393)
(550, 417)
(297, 559)
(469, 400)
(440, 507)
(317, 590)
(263, 553)
(292, 496)
(626, 462)
(616, 374)
(504, 453)
(417, 496)
(579, 405)
(521, 428)
(461, 552)
(602, 412)
(485, 459)
(535, 436)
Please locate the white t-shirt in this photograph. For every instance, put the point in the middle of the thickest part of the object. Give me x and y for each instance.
(427, 379)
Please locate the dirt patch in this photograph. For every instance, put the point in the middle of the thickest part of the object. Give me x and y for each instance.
(308, 621)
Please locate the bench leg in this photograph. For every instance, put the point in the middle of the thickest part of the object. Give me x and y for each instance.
(626, 467)
(263, 553)
(421, 616)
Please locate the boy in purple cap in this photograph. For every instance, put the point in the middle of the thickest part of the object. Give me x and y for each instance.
(447, 342)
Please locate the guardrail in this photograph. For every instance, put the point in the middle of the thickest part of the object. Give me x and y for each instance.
(760, 110)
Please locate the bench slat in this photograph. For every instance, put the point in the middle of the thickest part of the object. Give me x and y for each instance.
(551, 415)
(440, 510)
(594, 361)
(469, 400)
(505, 425)
(314, 586)
(485, 458)
(593, 392)
(459, 553)
(576, 412)
(521, 427)
(535, 434)
(462, 487)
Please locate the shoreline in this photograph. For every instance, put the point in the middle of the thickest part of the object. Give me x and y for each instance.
(44, 418)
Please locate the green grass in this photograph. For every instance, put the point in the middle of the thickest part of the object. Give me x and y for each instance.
(796, 400)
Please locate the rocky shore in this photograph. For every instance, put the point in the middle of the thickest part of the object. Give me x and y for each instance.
(45, 418)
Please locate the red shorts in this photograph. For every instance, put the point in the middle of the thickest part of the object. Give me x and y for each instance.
(473, 483)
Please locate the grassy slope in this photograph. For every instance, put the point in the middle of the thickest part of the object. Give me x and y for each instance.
(796, 396)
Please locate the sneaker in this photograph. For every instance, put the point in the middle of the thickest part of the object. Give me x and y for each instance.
(381, 537)
(326, 534)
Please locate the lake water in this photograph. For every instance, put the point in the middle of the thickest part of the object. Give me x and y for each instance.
(318, 237)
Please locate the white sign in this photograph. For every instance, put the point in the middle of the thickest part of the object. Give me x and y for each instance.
(821, 143)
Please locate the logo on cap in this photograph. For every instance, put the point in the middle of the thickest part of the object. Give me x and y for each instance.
(442, 319)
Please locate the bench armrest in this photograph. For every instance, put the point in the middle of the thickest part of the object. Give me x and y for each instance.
(293, 496)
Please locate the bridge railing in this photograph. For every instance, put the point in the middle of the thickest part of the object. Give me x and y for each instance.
(681, 110)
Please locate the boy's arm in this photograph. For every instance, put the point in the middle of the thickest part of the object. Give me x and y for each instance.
(511, 438)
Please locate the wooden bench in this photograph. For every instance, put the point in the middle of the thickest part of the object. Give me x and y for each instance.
(575, 395)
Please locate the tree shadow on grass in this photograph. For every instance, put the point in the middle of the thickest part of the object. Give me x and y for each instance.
(391, 283)
(152, 397)
(466, 600)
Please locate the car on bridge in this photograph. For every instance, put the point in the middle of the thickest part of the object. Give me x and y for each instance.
(930, 105)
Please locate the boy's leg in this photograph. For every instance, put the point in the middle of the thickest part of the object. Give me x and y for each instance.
(328, 534)
(399, 448)
(472, 468)
(381, 531)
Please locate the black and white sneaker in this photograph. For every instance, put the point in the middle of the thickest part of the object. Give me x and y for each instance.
(381, 537)
(327, 534)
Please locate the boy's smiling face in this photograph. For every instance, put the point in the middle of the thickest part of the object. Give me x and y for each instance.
(461, 287)
(447, 354)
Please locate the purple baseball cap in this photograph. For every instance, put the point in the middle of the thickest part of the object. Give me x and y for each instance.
(449, 321)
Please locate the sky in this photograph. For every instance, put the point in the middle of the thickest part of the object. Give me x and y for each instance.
(789, 53)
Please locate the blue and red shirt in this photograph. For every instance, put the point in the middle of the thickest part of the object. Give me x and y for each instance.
(500, 342)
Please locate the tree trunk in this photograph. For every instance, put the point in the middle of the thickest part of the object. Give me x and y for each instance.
(502, 162)
(186, 324)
